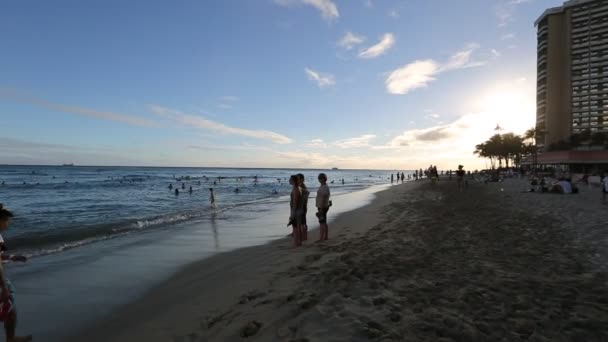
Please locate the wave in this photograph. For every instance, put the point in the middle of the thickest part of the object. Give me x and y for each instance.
(58, 240)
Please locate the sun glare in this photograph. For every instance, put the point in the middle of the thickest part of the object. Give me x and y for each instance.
(512, 108)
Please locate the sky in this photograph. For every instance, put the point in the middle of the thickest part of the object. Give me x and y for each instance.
(367, 84)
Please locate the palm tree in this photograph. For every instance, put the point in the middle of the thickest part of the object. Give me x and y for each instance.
(482, 151)
(530, 135)
(495, 148)
(513, 148)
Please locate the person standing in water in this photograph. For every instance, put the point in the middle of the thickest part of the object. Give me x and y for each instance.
(212, 198)
(305, 193)
(295, 205)
(7, 294)
(391, 178)
(323, 203)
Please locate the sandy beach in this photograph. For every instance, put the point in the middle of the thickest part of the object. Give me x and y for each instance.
(420, 263)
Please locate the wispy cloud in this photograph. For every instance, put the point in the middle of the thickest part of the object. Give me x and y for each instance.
(327, 8)
(431, 115)
(81, 111)
(462, 59)
(227, 102)
(420, 73)
(505, 10)
(199, 122)
(350, 40)
(317, 143)
(229, 98)
(322, 79)
(495, 53)
(16, 151)
(507, 36)
(242, 147)
(357, 142)
(386, 42)
(393, 14)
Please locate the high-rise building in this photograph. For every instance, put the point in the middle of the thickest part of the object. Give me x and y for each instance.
(572, 71)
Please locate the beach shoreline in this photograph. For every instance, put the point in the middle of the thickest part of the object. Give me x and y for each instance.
(420, 262)
(244, 269)
(84, 284)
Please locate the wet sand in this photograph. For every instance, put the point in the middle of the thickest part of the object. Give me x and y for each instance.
(420, 263)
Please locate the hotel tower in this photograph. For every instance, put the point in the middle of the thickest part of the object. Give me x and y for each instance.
(572, 71)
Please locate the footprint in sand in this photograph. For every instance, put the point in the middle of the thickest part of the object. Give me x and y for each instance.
(251, 329)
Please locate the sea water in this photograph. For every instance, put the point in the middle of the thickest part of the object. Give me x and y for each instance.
(61, 207)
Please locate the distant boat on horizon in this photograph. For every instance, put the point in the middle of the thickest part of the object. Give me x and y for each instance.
(334, 168)
(70, 164)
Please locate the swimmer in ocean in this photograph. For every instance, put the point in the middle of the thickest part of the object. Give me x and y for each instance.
(212, 198)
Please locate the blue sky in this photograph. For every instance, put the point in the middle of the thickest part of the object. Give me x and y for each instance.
(264, 83)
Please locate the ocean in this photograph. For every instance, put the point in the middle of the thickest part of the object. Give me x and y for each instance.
(62, 207)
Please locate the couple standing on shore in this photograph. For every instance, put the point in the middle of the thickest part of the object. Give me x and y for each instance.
(299, 207)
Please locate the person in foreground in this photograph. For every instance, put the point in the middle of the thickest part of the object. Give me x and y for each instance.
(305, 193)
(7, 297)
(296, 207)
(323, 204)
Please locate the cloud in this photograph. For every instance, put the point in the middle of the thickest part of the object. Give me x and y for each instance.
(495, 53)
(462, 59)
(229, 98)
(199, 122)
(362, 141)
(386, 42)
(507, 36)
(322, 79)
(368, 3)
(327, 8)
(22, 152)
(350, 40)
(420, 73)
(505, 10)
(317, 143)
(411, 76)
(81, 111)
(512, 105)
(227, 102)
(393, 14)
(242, 147)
